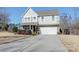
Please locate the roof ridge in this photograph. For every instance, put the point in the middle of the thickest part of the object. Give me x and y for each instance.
(45, 10)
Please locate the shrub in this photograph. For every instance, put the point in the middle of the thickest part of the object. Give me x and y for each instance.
(15, 29)
(34, 33)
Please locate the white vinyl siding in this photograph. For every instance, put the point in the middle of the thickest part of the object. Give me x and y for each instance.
(30, 16)
(48, 20)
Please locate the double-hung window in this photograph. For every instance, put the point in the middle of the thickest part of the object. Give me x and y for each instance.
(52, 18)
(42, 17)
(34, 17)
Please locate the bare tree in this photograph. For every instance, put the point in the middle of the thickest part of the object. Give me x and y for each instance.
(4, 18)
(65, 23)
(76, 19)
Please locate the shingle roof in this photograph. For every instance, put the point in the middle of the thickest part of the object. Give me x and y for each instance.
(47, 13)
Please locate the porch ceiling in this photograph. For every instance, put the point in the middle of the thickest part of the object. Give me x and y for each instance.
(30, 23)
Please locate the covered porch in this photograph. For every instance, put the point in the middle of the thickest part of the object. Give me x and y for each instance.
(33, 27)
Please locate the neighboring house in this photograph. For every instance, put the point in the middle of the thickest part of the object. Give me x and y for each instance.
(43, 22)
(11, 26)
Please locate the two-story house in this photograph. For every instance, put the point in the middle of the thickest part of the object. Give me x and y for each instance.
(44, 22)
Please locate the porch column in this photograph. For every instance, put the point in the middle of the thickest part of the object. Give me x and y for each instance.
(30, 27)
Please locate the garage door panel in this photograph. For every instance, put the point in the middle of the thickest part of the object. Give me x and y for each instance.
(48, 30)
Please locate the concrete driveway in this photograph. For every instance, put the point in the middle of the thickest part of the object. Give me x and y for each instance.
(47, 43)
(40, 43)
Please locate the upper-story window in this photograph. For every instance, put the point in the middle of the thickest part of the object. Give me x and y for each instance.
(34, 17)
(42, 17)
(28, 17)
(57, 18)
(25, 18)
(38, 16)
(53, 18)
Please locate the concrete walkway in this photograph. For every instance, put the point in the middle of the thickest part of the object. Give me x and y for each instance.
(40, 43)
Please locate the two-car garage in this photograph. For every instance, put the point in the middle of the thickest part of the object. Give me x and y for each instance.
(48, 30)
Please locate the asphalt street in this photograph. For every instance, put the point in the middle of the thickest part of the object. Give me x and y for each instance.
(39, 43)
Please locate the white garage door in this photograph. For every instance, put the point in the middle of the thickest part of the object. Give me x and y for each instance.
(48, 30)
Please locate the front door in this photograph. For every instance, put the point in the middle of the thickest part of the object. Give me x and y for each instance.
(34, 28)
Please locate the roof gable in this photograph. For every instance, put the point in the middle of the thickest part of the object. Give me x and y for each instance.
(30, 12)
